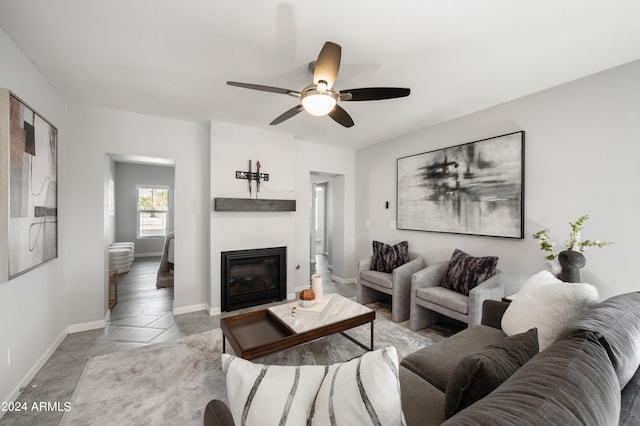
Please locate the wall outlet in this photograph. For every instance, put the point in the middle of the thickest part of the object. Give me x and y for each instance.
(366, 223)
(392, 225)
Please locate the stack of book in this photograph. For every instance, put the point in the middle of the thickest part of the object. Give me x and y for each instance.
(316, 311)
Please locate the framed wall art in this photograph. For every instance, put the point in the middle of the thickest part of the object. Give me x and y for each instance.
(28, 188)
(475, 188)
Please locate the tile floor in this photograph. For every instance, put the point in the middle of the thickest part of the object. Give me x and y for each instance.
(142, 316)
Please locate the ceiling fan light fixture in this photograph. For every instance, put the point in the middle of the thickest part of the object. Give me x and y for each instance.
(319, 102)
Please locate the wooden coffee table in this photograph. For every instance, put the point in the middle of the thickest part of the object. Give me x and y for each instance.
(266, 331)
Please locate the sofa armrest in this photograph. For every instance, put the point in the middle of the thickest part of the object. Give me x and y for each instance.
(492, 312)
(431, 276)
(364, 265)
(491, 289)
(402, 274)
(216, 413)
(401, 289)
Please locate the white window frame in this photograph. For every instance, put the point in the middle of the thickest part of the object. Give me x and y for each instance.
(138, 211)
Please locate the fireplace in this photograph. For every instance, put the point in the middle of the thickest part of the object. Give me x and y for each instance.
(253, 277)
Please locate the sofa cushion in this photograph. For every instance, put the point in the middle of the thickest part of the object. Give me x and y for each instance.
(444, 297)
(630, 405)
(479, 373)
(386, 258)
(570, 383)
(421, 402)
(466, 272)
(548, 304)
(617, 319)
(383, 279)
(435, 363)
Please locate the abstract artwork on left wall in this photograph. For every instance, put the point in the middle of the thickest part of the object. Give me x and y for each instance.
(28, 188)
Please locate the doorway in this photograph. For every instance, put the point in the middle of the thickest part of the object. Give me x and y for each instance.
(139, 209)
(327, 236)
(326, 217)
(320, 219)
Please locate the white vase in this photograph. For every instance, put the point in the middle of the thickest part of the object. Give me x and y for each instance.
(316, 286)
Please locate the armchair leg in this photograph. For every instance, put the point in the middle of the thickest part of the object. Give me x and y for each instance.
(366, 295)
(399, 308)
(421, 317)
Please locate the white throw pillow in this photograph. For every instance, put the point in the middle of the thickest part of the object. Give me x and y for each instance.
(363, 391)
(548, 304)
(270, 394)
(352, 392)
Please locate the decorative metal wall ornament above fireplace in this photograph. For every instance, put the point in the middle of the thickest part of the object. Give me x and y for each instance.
(253, 277)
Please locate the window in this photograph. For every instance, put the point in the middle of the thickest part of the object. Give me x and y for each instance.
(153, 206)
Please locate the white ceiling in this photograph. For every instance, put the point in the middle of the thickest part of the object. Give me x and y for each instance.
(172, 58)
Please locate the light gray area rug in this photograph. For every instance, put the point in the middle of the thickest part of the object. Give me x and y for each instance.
(171, 383)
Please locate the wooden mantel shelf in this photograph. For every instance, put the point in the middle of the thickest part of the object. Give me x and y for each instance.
(253, 205)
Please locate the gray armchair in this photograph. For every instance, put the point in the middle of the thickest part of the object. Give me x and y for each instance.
(371, 284)
(429, 298)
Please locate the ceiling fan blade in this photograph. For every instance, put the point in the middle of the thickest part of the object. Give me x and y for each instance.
(341, 116)
(374, 93)
(328, 64)
(287, 115)
(264, 88)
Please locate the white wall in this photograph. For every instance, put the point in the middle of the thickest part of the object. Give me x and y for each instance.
(128, 177)
(33, 306)
(110, 217)
(289, 163)
(232, 147)
(92, 132)
(581, 158)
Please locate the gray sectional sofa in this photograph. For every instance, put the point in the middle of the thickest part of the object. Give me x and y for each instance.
(590, 375)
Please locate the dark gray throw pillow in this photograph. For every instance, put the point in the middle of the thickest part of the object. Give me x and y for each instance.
(386, 258)
(466, 272)
(479, 373)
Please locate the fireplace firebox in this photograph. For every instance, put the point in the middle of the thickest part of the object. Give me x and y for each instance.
(253, 277)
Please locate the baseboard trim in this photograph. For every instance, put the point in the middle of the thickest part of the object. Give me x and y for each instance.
(343, 280)
(15, 394)
(148, 255)
(215, 311)
(88, 326)
(192, 308)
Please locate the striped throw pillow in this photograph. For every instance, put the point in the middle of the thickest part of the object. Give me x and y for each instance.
(365, 390)
(270, 394)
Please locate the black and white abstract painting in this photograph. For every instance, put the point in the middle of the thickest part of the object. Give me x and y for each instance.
(474, 188)
(32, 188)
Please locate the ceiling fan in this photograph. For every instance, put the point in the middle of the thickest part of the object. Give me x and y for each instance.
(320, 98)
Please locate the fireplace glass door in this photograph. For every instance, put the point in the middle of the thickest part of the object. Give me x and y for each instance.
(253, 277)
